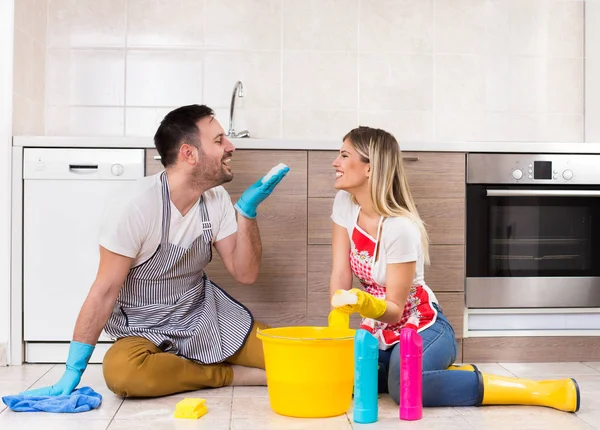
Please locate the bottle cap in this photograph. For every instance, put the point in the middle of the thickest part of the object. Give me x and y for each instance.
(413, 322)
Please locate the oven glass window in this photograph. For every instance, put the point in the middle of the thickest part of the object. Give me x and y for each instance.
(540, 237)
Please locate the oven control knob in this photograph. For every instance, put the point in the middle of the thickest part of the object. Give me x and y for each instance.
(517, 174)
(567, 175)
(117, 169)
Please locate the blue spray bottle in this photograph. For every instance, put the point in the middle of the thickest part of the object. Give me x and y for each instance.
(366, 355)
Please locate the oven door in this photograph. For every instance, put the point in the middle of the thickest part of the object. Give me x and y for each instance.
(532, 246)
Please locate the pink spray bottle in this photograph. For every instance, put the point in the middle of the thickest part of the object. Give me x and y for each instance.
(411, 376)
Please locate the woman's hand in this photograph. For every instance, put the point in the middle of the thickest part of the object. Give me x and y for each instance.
(355, 300)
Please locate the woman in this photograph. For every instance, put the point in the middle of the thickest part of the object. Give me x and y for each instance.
(379, 238)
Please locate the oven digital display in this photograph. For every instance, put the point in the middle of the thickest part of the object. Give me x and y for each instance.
(542, 170)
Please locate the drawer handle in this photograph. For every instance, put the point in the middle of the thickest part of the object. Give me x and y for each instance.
(156, 157)
(410, 158)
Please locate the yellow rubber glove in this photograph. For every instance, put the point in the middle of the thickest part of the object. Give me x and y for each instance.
(355, 300)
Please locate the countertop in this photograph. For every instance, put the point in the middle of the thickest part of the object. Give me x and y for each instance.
(316, 144)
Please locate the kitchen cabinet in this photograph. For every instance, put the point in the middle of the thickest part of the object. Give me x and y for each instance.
(295, 227)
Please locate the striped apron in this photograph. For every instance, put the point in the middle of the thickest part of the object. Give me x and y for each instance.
(170, 301)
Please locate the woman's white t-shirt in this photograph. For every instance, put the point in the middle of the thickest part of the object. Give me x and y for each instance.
(400, 238)
(132, 221)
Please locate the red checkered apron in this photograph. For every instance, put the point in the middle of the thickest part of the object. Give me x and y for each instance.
(418, 304)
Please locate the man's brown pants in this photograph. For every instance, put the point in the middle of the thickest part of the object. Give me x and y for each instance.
(135, 367)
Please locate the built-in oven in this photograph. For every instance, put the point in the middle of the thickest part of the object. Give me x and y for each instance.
(532, 231)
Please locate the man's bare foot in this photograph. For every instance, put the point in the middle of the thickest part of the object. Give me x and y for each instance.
(243, 375)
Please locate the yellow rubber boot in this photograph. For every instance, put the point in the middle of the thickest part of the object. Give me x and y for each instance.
(560, 394)
(467, 367)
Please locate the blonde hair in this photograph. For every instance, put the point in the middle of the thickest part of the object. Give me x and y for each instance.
(390, 193)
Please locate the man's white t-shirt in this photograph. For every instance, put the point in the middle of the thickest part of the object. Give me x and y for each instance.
(132, 221)
(400, 238)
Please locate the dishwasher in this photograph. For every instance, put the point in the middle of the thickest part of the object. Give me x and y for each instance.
(64, 193)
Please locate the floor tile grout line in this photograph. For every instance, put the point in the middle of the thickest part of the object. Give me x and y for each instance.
(115, 414)
(504, 368)
(587, 365)
(231, 408)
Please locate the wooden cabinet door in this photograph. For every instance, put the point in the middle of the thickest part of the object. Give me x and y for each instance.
(278, 297)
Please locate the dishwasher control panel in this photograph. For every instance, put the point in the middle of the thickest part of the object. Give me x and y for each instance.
(83, 163)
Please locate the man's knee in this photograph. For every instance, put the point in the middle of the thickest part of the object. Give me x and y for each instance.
(125, 373)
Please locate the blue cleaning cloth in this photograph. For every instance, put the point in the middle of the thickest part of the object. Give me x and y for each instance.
(81, 400)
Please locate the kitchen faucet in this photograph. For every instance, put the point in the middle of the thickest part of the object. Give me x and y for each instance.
(239, 89)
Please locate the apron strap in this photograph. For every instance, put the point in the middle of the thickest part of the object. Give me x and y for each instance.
(205, 221)
(166, 212)
(377, 239)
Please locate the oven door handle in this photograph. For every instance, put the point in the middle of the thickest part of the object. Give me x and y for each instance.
(543, 193)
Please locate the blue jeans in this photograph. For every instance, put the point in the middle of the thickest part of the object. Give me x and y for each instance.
(440, 387)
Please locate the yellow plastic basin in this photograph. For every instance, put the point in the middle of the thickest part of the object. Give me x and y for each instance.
(310, 370)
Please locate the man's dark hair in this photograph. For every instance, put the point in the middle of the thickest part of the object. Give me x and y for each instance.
(177, 127)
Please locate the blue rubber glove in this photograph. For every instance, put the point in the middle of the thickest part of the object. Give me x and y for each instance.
(79, 356)
(257, 193)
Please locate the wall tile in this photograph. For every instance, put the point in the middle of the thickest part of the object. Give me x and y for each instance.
(160, 23)
(87, 23)
(459, 83)
(320, 25)
(497, 82)
(454, 126)
(259, 72)
(86, 77)
(565, 85)
(318, 124)
(453, 69)
(261, 123)
(316, 80)
(144, 121)
(396, 82)
(527, 84)
(164, 78)
(460, 26)
(380, 30)
(38, 72)
(528, 27)
(405, 126)
(508, 126)
(563, 128)
(31, 18)
(84, 121)
(243, 24)
(23, 70)
(566, 29)
(21, 115)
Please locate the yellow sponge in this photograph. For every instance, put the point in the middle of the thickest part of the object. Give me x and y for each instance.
(191, 408)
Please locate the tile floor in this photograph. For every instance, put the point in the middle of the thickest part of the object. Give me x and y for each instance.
(246, 408)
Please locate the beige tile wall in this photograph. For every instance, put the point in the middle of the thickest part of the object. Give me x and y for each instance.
(424, 69)
(29, 66)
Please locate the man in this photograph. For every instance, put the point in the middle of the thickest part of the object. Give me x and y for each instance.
(176, 330)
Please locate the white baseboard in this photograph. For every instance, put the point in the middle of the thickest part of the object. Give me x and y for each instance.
(58, 352)
(3, 361)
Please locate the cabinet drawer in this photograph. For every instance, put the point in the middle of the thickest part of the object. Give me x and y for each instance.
(153, 164)
(435, 174)
(453, 306)
(444, 220)
(430, 174)
(446, 272)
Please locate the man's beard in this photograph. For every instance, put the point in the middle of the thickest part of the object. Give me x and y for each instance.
(211, 176)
